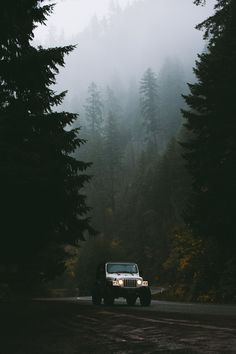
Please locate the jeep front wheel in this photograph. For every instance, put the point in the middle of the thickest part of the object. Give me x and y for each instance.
(145, 297)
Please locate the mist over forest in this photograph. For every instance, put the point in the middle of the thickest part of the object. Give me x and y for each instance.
(136, 161)
(117, 49)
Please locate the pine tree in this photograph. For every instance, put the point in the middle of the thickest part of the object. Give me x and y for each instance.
(112, 158)
(211, 150)
(112, 104)
(150, 106)
(42, 206)
(171, 82)
(93, 109)
(94, 151)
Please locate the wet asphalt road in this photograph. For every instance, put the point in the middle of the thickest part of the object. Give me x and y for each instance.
(176, 307)
(74, 325)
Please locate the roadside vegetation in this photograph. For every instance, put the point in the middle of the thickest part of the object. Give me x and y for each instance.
(164, 194)
(156, 178)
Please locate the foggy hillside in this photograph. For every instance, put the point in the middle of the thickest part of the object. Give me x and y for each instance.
(148, 165)
(121, 47)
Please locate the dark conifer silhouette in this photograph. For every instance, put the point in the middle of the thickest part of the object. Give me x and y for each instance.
(42, 206)
(211, 151)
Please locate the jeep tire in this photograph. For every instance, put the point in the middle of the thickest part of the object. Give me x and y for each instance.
(145, 296)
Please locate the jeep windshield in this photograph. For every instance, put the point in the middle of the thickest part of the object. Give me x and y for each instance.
(122, 268)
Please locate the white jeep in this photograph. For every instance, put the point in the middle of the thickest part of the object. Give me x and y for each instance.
(120, 279)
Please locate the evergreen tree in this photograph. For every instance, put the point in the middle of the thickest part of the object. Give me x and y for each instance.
(112, 158)
(172, 85)
(149, 106)
(93, 109)
(112, 104)
(42, 206)
(211, 150)
(94, 151)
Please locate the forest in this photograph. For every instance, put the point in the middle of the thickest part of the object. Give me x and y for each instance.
(143, 169)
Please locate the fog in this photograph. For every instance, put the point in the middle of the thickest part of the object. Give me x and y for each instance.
(122, 41)
(73, 16)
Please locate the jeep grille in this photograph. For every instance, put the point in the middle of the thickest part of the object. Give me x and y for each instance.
(130, 283)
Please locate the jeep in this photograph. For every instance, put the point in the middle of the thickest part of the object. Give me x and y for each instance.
(120, 279)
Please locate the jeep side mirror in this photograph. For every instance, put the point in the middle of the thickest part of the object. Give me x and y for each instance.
(140, 273)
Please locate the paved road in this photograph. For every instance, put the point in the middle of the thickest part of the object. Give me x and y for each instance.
(176, 307)
(74, 326)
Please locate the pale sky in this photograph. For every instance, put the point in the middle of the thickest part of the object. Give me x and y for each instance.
(72, 16)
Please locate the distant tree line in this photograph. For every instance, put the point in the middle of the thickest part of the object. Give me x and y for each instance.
(172, 209)
(162, 183)
(136, 166)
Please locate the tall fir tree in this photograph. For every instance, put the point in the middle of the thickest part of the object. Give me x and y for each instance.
(211, 150)
(113, 156)
(94, 109)
(94, 151)
(172, 85)
(150, 106)
(112, 104)
(42, 205)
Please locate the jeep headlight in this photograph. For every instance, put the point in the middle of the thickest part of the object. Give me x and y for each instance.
(118, 282)
(139, 282)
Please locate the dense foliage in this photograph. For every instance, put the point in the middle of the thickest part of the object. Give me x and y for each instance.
(211, 150)
(42, 207)
(137, 193)
(163, 186)
(177, 223)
